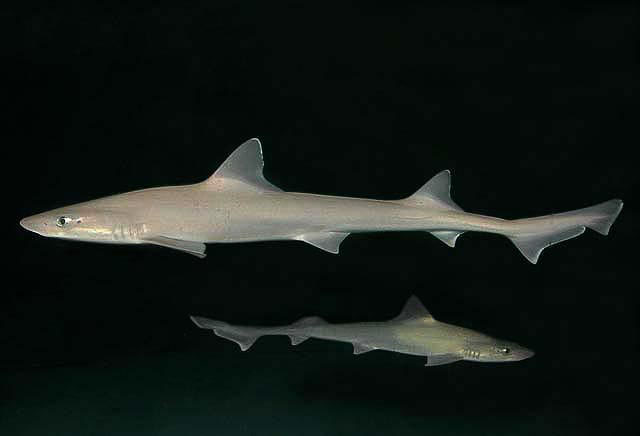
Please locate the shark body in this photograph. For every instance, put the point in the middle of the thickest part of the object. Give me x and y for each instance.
(414, 331)
(237, 204)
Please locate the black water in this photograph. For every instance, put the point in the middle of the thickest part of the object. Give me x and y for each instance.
(533, 110)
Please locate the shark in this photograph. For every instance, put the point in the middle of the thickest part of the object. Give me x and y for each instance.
(238, 204)
(414, 331)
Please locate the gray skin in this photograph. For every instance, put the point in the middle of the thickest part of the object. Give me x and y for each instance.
(414, 332)
(237, 204)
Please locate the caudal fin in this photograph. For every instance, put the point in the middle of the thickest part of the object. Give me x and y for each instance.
(570, 224)
(243, 336)
(601, 216)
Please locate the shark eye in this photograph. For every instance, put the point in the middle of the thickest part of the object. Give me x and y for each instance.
(504, 350)
(62, 221)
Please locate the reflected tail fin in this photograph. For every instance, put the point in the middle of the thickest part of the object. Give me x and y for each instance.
(243, 336)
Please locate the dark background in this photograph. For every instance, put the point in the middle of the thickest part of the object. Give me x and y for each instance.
(533, 110)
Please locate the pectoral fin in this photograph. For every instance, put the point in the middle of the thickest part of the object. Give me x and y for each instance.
(442, 359)
(195, 248)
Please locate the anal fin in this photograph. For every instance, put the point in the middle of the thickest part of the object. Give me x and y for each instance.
(447, 236)
(531, 246)
(327, 241)
(195, 248)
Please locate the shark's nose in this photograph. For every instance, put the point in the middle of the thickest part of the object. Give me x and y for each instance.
(24, 222)
(29, 223)
(527, 353)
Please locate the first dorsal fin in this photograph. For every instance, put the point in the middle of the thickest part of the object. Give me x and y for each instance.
(437, 190)
(413, 309)
(244, 165)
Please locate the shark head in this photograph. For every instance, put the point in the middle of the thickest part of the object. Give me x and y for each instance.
(81, 222)
(494, 351)
(449, 343)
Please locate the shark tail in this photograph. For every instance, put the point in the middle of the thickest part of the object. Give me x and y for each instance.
(570, 224)
(533, 235)
(243, 336)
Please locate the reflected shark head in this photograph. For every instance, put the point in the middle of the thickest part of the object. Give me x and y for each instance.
(495, 350)
(81, 222)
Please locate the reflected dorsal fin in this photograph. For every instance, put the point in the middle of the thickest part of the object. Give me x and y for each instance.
(244, 165)
(413, 309)
(309, 321)
(437, 190)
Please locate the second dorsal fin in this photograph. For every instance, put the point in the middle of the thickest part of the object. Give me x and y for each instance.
(244, 165)
(413, 309)
(437, 190)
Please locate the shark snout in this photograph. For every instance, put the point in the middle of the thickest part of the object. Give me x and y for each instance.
(27, 223)
(34, 224)
(525, 353)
